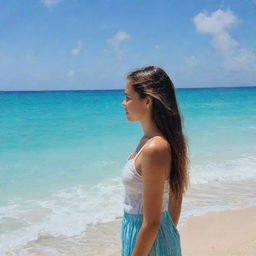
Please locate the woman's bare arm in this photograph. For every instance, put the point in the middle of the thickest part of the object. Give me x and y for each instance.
(155, 163)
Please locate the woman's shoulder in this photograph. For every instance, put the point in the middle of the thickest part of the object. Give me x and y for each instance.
(157, 145)
(156, 156)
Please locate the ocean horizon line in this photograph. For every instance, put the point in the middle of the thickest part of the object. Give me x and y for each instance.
(97, 90)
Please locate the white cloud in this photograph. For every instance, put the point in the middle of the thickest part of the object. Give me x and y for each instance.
(218, 22)
(77, 50)
(117, 40)
(50, 3)
(71, 73)
(105, 52)
(218, 25)
(192, 61)
(242, 59)
(120, 36)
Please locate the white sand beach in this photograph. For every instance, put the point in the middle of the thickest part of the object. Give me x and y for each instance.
(224, 233)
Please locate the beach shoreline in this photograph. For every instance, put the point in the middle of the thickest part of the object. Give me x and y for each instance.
(210, 212)
(216, 219)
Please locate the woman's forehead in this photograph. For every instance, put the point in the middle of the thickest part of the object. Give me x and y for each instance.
(128, 88)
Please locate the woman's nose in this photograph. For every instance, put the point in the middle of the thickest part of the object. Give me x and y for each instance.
(123, 104)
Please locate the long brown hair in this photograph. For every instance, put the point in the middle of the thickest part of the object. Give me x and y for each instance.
(154, 82)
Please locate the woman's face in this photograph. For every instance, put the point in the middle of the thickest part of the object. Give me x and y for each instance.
(134, 106)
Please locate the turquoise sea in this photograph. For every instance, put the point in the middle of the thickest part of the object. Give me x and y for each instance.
(62, 152)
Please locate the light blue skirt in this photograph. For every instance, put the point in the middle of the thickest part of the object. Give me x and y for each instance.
(167, 242)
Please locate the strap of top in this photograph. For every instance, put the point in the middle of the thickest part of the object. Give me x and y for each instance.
(142, 148)
(167, 180)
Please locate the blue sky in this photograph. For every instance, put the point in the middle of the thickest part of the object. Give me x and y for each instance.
(92, 44)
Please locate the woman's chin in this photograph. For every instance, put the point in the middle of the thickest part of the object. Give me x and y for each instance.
(129, 119)
(127, 116)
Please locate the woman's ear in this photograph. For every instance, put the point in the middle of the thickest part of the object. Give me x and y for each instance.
(149, 101)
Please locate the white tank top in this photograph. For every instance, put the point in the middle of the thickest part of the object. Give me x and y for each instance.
(133, 189)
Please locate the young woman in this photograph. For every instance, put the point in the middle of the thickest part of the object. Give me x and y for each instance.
(155, 176)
